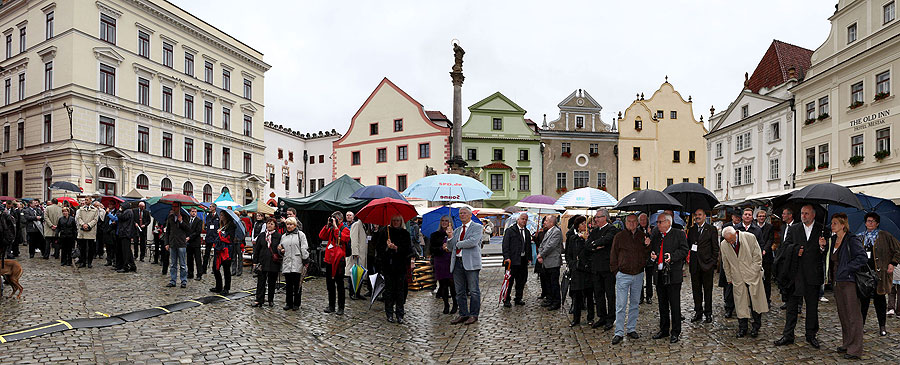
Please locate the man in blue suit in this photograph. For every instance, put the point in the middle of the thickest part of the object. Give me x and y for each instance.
(465, 265)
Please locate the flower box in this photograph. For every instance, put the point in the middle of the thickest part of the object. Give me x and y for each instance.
(566, 154)
(810, 121)
(855, 160)
(809, 168)
(823, 165)
(594, 154)
(880, 96)
(880, 155)
(823, 116)
(561, 190)
(856, 104)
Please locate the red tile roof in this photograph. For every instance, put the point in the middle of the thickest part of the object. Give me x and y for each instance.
(774, 65)
(436, 115)
(497, 165)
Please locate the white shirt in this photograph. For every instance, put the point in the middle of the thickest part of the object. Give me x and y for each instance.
(747, 226)
(808, 230)
(787, 226)
(465, 228)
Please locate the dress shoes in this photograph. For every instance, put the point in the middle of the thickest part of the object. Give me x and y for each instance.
(507, 304)
(608, 326)
(459, 320)
(633, 335)
(674, 338)
(520, 302)
(851, 357)
(328, 310)
(841, 350)
(574, 323)
(224, 292)
(390, 318)
(170, 285)
(729, 313)
(287, 307)
(340, 311)
(471, 320)
(399, 319)
(90, 266)
(617, 340)
(783, 306)
(697, 318)
(597, 324)
(660, 335)
(215, 290)
(183, 285)
(554, 307)
(708, 319)
(649, 301)
(813, 342)
(741, 333)
(256, 305)
(784, 341)
(546, 304)
(754, 333)
(882, 332)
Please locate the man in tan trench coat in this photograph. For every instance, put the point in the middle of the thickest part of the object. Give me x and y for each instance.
(742, 262)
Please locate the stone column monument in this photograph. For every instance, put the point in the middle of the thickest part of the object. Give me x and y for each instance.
(456, 162)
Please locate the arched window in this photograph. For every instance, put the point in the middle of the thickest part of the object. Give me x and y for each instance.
(165, 184)
(207, 193)
(48, 180)
(188, 188)
(143, 182)
(225, 190)
(248, 196)
(107, 181)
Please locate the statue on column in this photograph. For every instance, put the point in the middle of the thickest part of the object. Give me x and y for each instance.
(458, 53)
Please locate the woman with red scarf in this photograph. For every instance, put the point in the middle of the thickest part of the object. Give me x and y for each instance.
(223, 258)
(337, 236)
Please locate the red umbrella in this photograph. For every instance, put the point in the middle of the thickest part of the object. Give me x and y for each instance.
(381, 211)
(179, 198)
(71, 200)
(504, 288)
(6, 198)
(111, 200)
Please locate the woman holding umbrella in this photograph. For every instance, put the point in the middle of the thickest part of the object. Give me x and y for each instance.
(337, 236)
(223, 257)
(267, 258)
(441, 256)
(397, 257)
(579, 260)
(295, 253)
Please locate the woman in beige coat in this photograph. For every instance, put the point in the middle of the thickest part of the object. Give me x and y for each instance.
(359, 248)
(742, 263)
(86, 219)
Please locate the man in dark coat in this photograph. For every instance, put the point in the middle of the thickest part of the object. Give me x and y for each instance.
(802, 275)
(141, 222)
(765, 239)
(516, 257)
(787, 220)
(126, 233)
(194, 258)
(33, 217)
(670, 249)
(703, 239)
(177, 234)
(600, 245)
(211, 226)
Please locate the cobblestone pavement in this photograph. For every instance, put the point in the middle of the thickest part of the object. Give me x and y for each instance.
(233, 332)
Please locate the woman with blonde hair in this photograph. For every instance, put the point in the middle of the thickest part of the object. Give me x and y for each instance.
(397, 257)
(295, 256)
(440, 253)
(847, 258)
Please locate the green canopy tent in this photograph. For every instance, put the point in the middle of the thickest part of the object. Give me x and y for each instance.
(313, 212)
(257, 207)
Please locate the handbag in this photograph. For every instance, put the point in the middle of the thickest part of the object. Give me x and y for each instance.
(665, 277)
(866, 282)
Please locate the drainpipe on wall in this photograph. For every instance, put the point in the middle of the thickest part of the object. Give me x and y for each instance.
(305, 177)
(793, 175)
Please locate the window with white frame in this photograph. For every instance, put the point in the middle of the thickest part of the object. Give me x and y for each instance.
(773, 169)
(718, 149)
(566, 147)
(560, 180)
(810, 157)
(856, 93)
(883, 140)
(579, 122)
(107, 79)
(851, 33)
(48, 76)
(496, 182)
(189, 64)
(856, 146)
(738, 174)
(581, 179)
(774, 131)
(745, 111)
(718, 181)
(811, 110)
(823, 154)
(143, 91)
(888, 12)
(601, 180)
(823, 106)
(594, 148)
(742, 142)
(883, 84)
(524, 183)
(107, 28)
(48, 24)
(143, 44)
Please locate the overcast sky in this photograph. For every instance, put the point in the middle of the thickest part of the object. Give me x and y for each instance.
(327, 57)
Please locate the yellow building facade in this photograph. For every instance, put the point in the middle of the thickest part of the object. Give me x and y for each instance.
(660, 142)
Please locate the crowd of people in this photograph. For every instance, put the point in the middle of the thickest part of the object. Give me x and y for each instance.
(611, 266)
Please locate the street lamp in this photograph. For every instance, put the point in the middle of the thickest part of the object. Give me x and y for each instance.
(69, 109)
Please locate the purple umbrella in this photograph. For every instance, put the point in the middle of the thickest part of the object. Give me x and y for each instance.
(539, 199)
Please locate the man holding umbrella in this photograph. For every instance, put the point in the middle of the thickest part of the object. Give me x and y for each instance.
(177, 236)
(465, 265)
(517, 256)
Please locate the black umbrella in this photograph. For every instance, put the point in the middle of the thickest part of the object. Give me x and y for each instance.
(826, 193)
(692, 196)
(65, 185)
(564, 286)
(648, 201)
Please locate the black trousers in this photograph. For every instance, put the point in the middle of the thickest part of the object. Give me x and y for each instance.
(582, 298)
(158, 248)
(727, 291)
(518, 276)
(767, 280)
(811, 297)
(265, 280)
(335, 286)
(52, 242)
(194, 261)
(552, 276)
(98, 248)
(395, 291)
(649, 273)
(669, 299)
(66, 245)
(292, 289)
(86, 246)
(446, 289)
(880, 308)
(226, 268)
(605, 296)
(127, 260)
(701, 288)
(36, 242)
(164, 260)
(140, 245)
(206, 254)
(112, 250)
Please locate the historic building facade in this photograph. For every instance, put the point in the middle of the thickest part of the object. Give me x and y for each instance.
(750, 144)
(297, 164)
(392, 140)
(155, 99)
(660, 142)
(847, 110)
(504, 149)
(579, 149)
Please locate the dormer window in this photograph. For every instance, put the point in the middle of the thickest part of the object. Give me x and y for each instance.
(579, 122)
(745, 111)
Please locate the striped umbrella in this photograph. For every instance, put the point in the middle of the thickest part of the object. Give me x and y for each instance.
(587, 198)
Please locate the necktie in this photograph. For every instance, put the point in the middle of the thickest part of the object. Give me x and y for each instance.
(659, 258)
(524, 240)
(736, 245)
(462, 236)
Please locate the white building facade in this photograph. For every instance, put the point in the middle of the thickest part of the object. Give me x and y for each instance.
(297, 164)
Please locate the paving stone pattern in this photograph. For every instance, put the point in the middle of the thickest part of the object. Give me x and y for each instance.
(233, 332)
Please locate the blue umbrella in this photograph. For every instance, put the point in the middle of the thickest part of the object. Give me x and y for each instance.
(448, 187)
(431, 221)
(237, 220)
(677, 218)
(372, 192)
(887, 210)
(586, 198)
(160, 212)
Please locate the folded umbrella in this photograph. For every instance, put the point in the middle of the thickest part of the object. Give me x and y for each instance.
(564, 286)
(377, 287)
(504, 288)
(357, 273)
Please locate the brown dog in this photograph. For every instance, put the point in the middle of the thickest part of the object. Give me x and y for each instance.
(11, 272)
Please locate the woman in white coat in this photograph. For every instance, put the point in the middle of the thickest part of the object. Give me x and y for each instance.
(359, 248)
(295, 251)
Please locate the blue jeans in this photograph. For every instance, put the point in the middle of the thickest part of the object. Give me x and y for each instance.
(178, 263)
(468, 296)
(628, 294)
